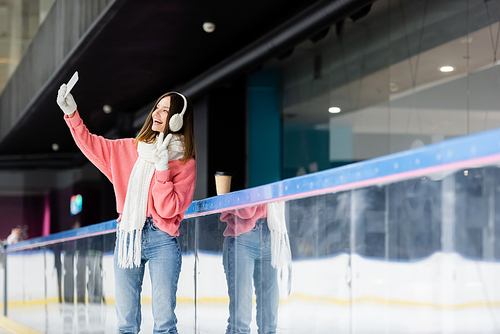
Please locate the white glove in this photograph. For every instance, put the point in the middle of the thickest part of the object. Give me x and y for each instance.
(68, 104)
(160, 152)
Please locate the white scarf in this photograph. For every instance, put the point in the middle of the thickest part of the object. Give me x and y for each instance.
(136, 201)
(281, 255)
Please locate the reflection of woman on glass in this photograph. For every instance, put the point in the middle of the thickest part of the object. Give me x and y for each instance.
(252, 252)
(154, 180)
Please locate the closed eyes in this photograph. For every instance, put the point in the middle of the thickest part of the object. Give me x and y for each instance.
(164, 110)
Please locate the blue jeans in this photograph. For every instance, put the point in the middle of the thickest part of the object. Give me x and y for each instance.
(164, 256)
(247, 257)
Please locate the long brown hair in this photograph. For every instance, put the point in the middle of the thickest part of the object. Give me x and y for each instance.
(147, 135)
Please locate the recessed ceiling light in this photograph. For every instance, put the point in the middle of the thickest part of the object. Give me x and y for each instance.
(208, 27)
(334, 110)
(107, 108)
(447, 69)
(55, 147)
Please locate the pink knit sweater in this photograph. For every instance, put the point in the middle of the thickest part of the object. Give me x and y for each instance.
(241, 221)
(171, 191)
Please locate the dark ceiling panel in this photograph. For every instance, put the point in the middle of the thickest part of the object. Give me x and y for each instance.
(148, 48)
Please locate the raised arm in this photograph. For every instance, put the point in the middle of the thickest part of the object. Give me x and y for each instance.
(96, 148)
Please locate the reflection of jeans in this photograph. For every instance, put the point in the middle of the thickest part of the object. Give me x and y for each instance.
(164, 256)
(248, 256)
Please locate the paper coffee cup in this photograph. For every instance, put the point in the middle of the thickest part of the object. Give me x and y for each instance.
(223, 182)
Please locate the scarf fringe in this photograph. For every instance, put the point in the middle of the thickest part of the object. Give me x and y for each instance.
(281, 255)
(129, 249)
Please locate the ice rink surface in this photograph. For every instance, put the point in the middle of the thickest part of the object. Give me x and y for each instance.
(444, 293)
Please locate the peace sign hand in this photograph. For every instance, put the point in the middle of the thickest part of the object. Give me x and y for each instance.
(160, 152)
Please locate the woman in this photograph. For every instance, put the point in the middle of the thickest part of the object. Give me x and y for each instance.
(153, 177)
(256, 247)
(247, 257)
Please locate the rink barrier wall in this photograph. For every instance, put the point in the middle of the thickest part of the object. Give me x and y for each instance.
(438, 161)
(464, 152)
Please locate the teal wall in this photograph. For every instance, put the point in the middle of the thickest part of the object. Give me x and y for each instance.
(305, 149)
(341, 145)
(264, 128)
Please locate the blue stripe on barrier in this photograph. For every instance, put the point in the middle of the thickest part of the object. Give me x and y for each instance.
(454, 150)
(82, 232)
(448, 152)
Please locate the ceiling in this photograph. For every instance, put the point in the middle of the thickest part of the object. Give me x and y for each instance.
(147, 48)
(150, 47)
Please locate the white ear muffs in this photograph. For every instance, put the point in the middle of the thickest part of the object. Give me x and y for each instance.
(176, 122)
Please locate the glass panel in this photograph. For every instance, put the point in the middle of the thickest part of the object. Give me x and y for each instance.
(243, 270)
(246, 279)
(212, 300)
(69, 287)
(186, 288)
(319, 230)
(63, 286)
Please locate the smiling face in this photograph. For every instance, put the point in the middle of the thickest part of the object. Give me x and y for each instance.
(160, 114)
